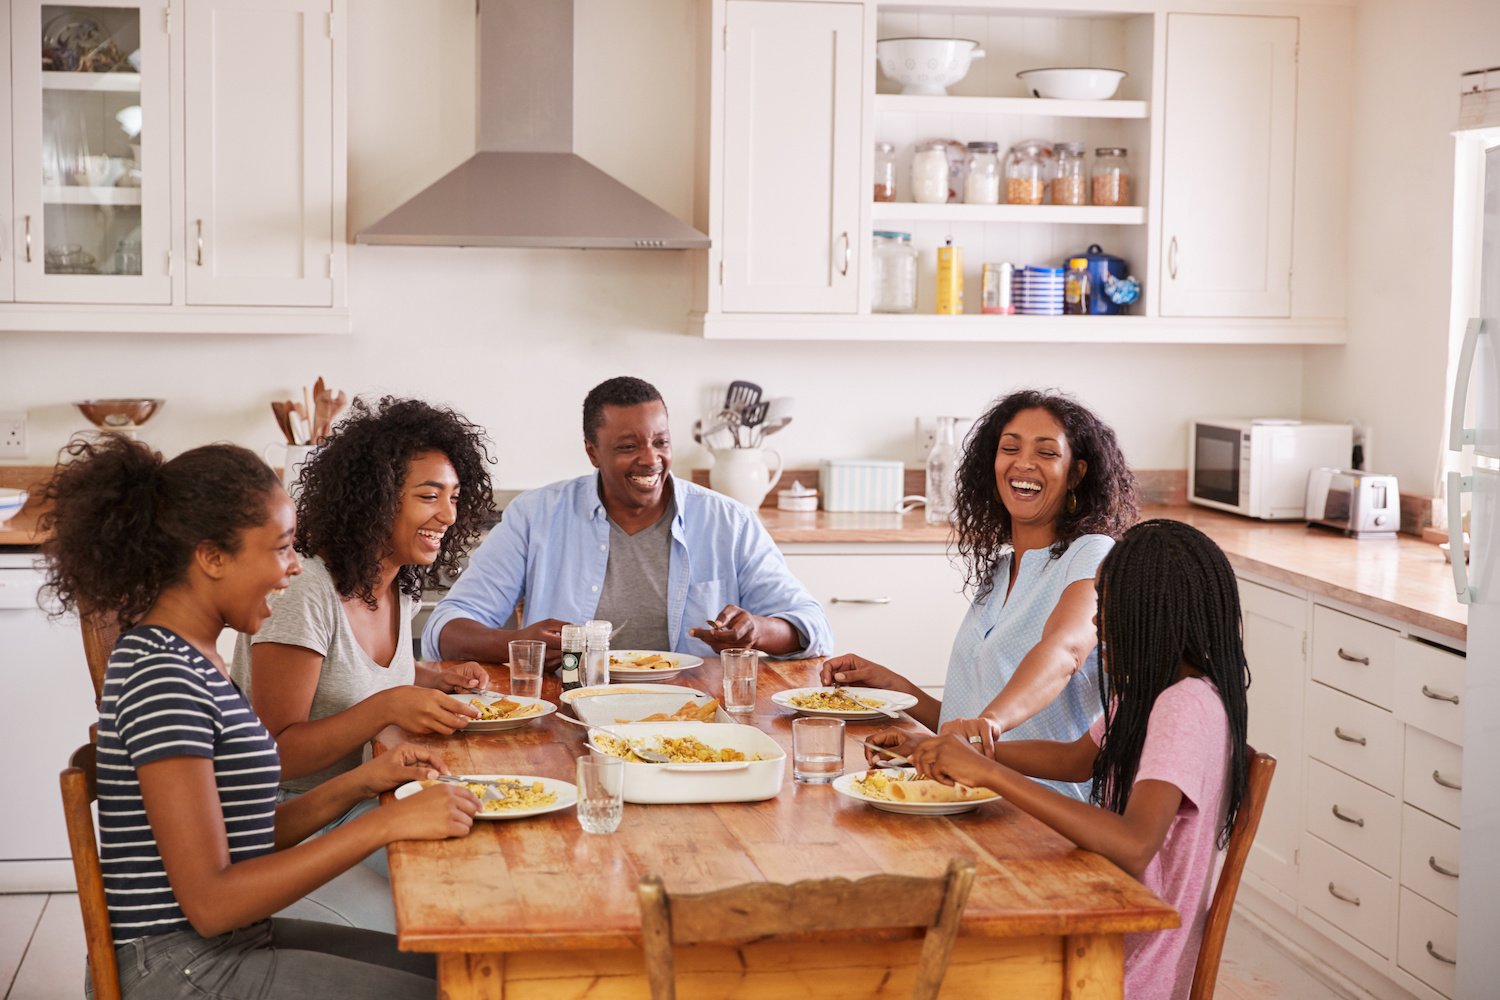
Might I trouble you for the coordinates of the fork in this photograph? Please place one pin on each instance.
(494, 788)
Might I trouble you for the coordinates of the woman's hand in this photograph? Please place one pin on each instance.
(426, 710)
(856, 671)
(432, 814)
(456, 676)
(402, 763)
(981, 733)
(898, 740)
(953, 760)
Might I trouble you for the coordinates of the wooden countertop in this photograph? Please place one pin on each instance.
(21, 529)
(821, 526)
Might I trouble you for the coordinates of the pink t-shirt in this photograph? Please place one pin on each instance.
(1187, 746)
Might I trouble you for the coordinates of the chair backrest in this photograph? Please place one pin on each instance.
(760, 909)
(1216, 925)
(80, 787)
(100, 633)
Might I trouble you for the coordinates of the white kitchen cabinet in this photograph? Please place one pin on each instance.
(791, 130)
(1228, 166)
(7, 260)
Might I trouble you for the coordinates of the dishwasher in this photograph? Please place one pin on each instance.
(46, 708)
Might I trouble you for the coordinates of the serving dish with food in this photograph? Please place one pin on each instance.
(902, 790)
(853, 703)
(649, 664)
(498, 712)
(678, 704)
(709, 761)
(509, 796)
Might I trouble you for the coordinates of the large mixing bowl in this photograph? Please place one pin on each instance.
(926, 65)
(1073, 83)
(118, 414)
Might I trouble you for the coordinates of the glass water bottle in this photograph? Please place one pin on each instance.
(942, 468)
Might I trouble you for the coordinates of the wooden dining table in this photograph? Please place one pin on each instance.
(537, 908)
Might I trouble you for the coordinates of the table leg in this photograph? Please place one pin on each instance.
(1094, 967)
(471, 977)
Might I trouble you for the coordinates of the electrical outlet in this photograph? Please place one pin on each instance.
(12, 435)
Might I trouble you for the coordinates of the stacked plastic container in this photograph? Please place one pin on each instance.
(1039, 291)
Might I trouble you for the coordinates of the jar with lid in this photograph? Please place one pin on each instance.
(1027, 171)
(1070, 185)
(885, 172)
(895, 268)
(982, 174)
(1076, 287)
(1111, 177)
(929, 173)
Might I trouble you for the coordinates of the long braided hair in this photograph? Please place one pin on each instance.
(1166, 595)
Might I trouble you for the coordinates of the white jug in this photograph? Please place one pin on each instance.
(292, 458)
(744, 473)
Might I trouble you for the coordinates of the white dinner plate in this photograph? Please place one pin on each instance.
(499, 725)
(566, 792)
(896, 701)
(619, 664)
(844, 785)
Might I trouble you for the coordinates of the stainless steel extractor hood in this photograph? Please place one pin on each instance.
(526, 187)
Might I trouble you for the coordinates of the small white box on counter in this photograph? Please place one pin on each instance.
(859, 485)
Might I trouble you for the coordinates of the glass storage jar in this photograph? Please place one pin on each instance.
(1111, 175)
(982, 174)
(1070, 185)
(929, 173)
(895, 273)
(1027, 170)
(885, 172)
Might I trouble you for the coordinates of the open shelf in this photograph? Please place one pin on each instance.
(112, 82)
(890, 103)
(80, 195)
(911, 211)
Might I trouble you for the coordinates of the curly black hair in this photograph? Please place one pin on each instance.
(622, 390)
(124, 523)
(350, 491)
(1106, 494)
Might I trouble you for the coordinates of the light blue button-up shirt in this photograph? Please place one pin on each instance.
(552, 547)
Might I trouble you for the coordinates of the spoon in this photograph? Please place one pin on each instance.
(654, 756)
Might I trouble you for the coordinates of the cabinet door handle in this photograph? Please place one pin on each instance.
(28, 239)
(1432, 863)
(848, 249)
(1456, 786)
(1172, 258)
(860, 600)
(1438, 695)
(1351, 658)
(1339, 895)
(1347, 819)
(200, 249)
(1352, 739)
(1441, 958)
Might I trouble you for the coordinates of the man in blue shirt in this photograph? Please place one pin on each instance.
(675, 566)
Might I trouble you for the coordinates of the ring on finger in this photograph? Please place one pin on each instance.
(976, 738)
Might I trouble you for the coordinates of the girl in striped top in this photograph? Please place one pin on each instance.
(196, 853)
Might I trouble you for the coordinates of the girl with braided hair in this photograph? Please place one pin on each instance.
(1168, 759)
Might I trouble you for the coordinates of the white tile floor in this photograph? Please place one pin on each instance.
(41, 956)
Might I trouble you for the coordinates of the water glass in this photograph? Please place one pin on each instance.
(601, 793)
(817, 749)
(740, 669)
(526, 658)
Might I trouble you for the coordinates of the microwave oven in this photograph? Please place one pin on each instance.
(1259, 467)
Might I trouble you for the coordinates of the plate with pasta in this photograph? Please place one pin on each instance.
(853, 703)
(649, 664)
(524, 794)
(499, 712)
(901, 790)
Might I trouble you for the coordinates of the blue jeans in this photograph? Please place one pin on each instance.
(277, 957)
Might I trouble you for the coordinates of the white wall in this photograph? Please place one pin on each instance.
(514, 338)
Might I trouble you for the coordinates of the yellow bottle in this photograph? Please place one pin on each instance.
(950, 280)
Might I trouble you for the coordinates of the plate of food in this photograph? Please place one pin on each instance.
(599, 690)
(499, 712)
(649, 664)
(901, 790)
(509, 796)
(844, 702)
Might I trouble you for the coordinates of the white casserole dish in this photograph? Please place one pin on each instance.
(732, 781)
(608, 709)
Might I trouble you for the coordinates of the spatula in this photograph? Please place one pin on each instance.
(741, 395)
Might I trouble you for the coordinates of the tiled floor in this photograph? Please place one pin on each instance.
(41, 956)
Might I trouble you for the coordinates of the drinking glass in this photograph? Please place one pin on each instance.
(817, 750)
(526, 656)
(740, 669)
(601, 793)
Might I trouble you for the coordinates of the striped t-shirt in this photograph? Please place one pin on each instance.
(163, 699)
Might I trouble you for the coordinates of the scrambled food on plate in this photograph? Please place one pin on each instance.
(835, 701)
(681, 749)
(906, 786)
(518, 795)
(648, 661)
(494, 711)
(690, 711)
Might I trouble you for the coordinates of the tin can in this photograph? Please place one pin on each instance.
(995, 296)
(950, 280)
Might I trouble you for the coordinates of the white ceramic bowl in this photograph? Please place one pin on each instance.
(926, 65)
(1072, 84)
(11, 502)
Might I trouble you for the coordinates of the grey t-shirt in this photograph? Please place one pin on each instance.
(634, 595)
(310, 614)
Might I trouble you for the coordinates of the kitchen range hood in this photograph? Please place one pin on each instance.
(526, 187)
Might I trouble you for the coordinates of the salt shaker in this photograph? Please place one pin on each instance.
(596, 652)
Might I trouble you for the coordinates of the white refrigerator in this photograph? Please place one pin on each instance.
(1475, 423)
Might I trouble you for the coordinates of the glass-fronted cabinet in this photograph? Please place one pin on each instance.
(89, 152)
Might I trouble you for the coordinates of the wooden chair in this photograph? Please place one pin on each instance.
(80, 787)
(756, 910)
(100, 633)
(1206, 972)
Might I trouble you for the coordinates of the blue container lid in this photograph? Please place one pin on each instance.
(891, 234)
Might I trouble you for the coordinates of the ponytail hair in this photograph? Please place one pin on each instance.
(124, 523)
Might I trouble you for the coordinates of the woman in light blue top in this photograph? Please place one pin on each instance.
(1041, 493)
